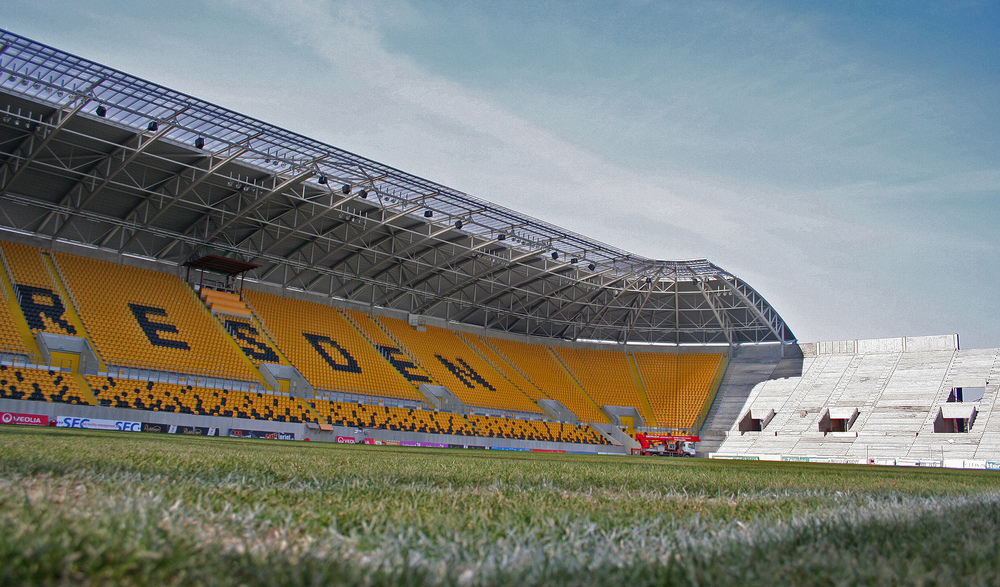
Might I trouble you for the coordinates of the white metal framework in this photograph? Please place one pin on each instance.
(93, 156)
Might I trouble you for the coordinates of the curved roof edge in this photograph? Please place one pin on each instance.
(320, 219)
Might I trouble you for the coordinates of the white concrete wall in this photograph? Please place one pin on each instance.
(897, 385)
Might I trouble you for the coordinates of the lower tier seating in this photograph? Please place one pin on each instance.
(390, 418)
(534, 430)
(39, 385)
(53, 386)
(202, 401)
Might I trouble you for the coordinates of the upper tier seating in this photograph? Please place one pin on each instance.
(536, 363)
(604, 374)
(458, 367)
(249, 338)
(10, 338)
(224, 302)
(39, 385)
(42, 306)
(329, 351)
(678, 386)
(150, 319)
(500, 364)
(388, 348)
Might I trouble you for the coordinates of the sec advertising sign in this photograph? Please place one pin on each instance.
(96, 424)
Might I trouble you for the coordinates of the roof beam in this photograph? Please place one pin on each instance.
(113, 172)
(29, 150)
(395, 258)
(473, 279)
(182, 193)
(281, 187)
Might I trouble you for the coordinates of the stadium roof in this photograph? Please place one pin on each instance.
(99, 158)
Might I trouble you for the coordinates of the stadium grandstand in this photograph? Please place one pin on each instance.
(171, 262)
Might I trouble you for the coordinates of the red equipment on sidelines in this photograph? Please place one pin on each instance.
(665, 445)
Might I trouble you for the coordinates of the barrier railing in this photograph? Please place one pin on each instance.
(35, 362)
(156, 374)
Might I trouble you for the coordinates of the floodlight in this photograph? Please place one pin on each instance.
(152, 126)
(346, 189)
(199, 143)
(322, 180)
(428, 214)
(458, 224)
(591, 266)
(555, 255)
(101, 111)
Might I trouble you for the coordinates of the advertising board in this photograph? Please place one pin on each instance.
(379, 442)
(23, 419)
(175, 429)
(260, 434)
(97, 424)
(346, 440)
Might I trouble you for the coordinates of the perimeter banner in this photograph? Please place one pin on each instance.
(379, 442)
(175, 429)
(23, 419)
(97, 424)
(260, 434)
(196, 430)
(424, 444)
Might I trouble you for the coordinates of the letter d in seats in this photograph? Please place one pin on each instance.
(322, 343)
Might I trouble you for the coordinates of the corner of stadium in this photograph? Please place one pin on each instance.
(172, 266)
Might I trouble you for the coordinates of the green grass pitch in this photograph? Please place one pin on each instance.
(81, 507)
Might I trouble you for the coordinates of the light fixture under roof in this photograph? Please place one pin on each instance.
(322, 180)
(101, 111)
(152, 126)
(199, 143)
(345, 189)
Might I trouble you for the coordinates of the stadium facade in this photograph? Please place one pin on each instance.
(328, 282)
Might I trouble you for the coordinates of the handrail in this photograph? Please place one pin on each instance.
(32, 361)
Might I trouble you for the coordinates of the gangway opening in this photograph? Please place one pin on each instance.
(838, 419)
(756, 420)
(955, 418)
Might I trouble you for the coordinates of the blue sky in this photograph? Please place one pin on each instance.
(844, 160)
